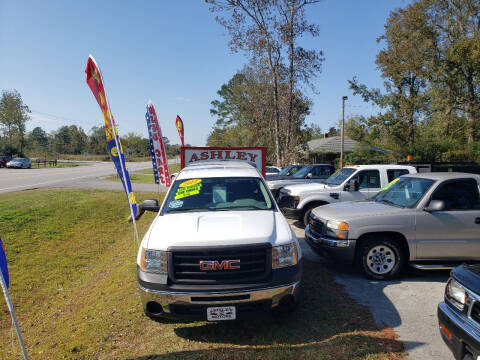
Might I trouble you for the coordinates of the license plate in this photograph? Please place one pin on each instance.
(221, 313)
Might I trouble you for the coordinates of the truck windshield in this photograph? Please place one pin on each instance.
(290, 170)
(404, 191)
(300, 174)
(217, 194)
(340, 176)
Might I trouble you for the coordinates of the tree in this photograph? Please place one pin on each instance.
(244, 113)
(402, 65)
(456, 66)
(13, 117)
(268, 30)
(303, 65)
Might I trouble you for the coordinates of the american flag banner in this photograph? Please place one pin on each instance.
(157, 148)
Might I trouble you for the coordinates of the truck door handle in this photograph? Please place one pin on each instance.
(477, 220)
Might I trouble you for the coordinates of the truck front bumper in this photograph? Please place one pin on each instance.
(193, 304)
(458, 332)
(343, 250)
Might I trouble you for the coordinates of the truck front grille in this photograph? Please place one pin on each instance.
(286, 201)
(316, 225)
(252, 263)
(475, 314)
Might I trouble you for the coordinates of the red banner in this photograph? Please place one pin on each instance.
(179, 126)
(159, 156)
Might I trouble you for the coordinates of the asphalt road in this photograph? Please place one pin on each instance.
(72, 177)
(408, 304)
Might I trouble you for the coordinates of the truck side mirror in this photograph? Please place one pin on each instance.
(352, 185)
(150, 205)
(309, 176)
(435, 205)
(147, 205)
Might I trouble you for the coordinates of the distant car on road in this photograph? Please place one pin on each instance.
(4, 160)
(459, 314)
(430, 220)
(19, 163)
(286, 172)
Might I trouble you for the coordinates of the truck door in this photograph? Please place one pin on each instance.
(369, 185)
(454, 233)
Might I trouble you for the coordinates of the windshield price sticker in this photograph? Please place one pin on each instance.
(388, 186)
(188, 188)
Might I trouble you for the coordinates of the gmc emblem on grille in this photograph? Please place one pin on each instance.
(215, 265)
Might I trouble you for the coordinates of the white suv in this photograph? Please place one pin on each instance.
(219, 248)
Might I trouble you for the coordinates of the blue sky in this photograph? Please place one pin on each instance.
(170, 51)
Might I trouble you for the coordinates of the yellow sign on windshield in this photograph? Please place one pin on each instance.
(188, 188)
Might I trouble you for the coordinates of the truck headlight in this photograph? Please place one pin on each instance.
(154, 261)
(456, 294)
(284, 255)
(272, 187)
(338, 229)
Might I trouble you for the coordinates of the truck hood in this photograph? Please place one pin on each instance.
(350, 210)
(218, 228)
(297, 189)
(468, 276)
(287, 182)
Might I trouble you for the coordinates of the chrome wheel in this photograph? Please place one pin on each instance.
(381, 259)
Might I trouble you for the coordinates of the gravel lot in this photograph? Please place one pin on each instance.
(408, 304)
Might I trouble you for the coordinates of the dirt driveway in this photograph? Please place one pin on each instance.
(408, 304)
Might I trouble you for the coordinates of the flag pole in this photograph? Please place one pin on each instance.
(12, 313)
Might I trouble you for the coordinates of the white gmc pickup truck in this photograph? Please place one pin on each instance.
(219, 248)
(351, 183)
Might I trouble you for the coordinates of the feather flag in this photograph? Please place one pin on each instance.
(3, 264)
(179, 126)
(157, 147)
(95, 82)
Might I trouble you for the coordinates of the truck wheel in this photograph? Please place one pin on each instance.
(381, 259)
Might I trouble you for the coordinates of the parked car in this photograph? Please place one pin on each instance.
(309, 173)
(219, 248)
(4, 160)
(459, 314)
(272, 170)
(358, 182)
(286, 172)
(19, 163)
(430, 220)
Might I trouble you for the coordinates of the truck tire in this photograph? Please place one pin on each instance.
(381, 258)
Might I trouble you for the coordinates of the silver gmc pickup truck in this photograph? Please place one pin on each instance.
(431, 220)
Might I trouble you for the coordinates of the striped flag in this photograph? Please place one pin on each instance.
(157, 148)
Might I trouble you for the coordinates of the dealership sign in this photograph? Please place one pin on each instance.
(255, 156)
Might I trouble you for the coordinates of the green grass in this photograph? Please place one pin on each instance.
(71, 257)
(59, 165)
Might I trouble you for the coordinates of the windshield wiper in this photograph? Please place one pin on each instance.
(246, 207)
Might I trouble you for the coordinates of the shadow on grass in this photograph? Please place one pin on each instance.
(328, 324)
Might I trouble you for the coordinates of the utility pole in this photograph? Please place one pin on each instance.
(343, 131)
